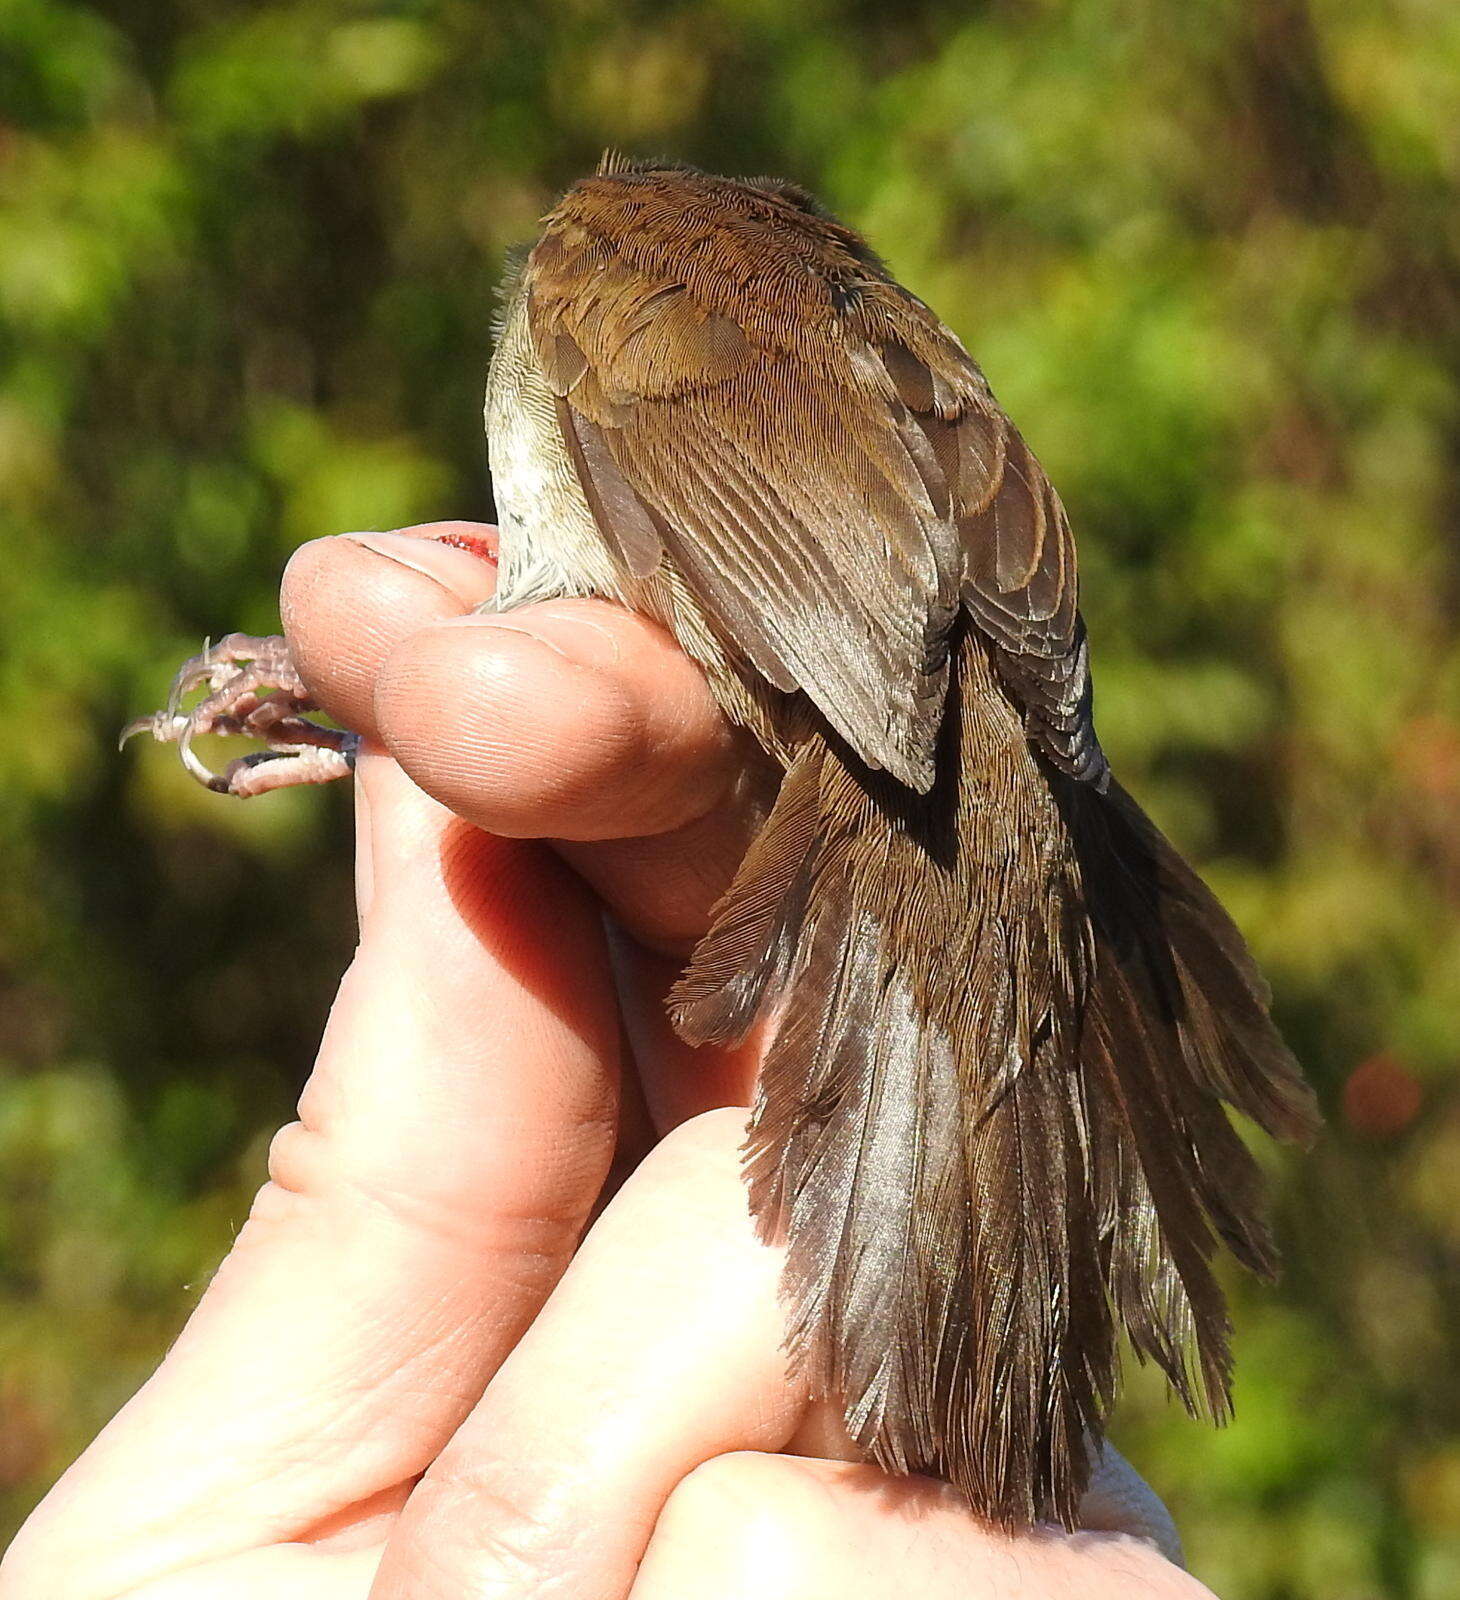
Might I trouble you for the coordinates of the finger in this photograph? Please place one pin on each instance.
(678, 1080)
(348, 600)
(455, 1132)
(578, 721)
(660, 1349)
(784, 1527)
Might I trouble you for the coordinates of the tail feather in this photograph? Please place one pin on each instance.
(990, 1121)
(750, 945)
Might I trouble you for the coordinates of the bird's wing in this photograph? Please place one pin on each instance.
(831, 494)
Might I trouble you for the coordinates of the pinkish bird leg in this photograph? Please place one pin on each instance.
(253, 691)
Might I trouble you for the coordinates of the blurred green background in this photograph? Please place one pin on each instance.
(1208, 252)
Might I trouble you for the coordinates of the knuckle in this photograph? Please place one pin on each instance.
(693, 1176)
(493, 1535)
(765, 1518)
(710, 1136)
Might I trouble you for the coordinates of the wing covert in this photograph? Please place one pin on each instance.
(828, 472)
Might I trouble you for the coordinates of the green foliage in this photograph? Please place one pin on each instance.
(1206, 251)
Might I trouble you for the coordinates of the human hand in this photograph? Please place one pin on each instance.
(408, 1378)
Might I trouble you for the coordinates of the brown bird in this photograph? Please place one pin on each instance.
(990, 1123)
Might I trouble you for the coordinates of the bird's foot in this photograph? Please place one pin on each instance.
(253, 690)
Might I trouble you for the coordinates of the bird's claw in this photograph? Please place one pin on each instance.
(253, 690)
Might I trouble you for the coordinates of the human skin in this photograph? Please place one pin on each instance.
(415, 1374)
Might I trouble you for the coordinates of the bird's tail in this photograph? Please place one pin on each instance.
(990, 1125)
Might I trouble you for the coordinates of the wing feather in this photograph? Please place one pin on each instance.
(832, 495)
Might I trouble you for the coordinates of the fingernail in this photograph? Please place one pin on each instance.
(464, 576)
(495, 624)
